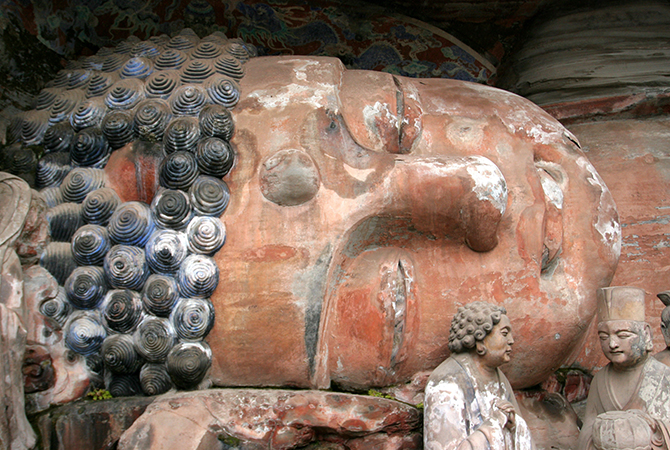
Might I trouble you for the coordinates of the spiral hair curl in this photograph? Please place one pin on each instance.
(472, 323)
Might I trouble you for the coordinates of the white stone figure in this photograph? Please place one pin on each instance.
(664, 355)
(632, 383)
(469, 402)
(15, 431)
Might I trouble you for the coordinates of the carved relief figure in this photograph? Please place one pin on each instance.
(664, 355)
(15, 203)
(632, 383)
(469, 402)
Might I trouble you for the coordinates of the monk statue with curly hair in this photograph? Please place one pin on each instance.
(469, 402)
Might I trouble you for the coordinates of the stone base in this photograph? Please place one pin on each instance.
(250, 419)
(88, 424)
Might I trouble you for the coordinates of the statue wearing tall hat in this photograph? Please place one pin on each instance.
(629, 402)
(664, 355)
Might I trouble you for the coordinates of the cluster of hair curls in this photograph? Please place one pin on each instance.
(472, 323)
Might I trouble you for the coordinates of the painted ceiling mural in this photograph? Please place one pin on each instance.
(363, 37)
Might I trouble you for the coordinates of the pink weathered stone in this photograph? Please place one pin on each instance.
(552, 421)
(15, 200)
(380, 441)
(15, 431)
(577, 386)
(275, 419)
(11, 283)
(552, 385)
(38, 373)
(574, 385)
(132, 171)
(39, 286)
(630, 155)
(415, 197)
(71, 377)
(411, 392)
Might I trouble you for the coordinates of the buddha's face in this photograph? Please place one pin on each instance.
(624, 342)
(365, 208)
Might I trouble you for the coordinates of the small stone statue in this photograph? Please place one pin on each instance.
(469, 402)
(632, 384)
(15, 201)
(664, 355)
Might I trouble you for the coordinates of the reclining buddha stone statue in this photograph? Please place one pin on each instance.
(284, 221)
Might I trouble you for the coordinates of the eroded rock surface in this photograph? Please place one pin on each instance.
(279, 419)
(552, 421)
(90, 425)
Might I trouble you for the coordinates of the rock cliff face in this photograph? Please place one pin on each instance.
(600, 69)
(613, 51)
(631, 155)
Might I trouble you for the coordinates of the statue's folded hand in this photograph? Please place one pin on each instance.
(506, 408)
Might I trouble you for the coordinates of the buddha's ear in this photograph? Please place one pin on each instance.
(480, 348)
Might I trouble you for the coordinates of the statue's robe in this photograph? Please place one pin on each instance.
(455, 407)
(15, 430)
(663, 356)
(651, 395)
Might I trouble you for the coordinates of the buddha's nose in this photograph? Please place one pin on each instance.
(457, 197)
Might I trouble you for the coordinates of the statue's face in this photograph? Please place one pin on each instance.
(498, 344)
(665, 329)
(366, 208)
(624, 342)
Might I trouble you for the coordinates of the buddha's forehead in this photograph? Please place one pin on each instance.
(286, 85)
(393, 114)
